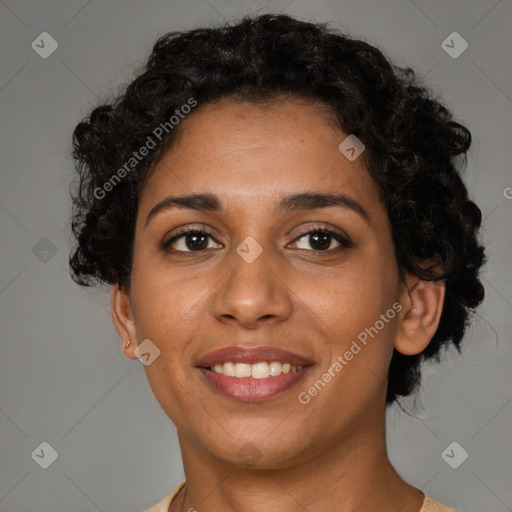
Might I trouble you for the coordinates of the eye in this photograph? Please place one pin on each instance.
(189, 240)
(196, 240)
(320, 240)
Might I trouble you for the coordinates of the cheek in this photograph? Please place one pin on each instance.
(164, 309)
(160, 293)
(166, 312)
(348, 308)
(352, 380)
(351, 298)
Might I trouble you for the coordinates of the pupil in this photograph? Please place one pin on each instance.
(326, 240)
(321, 241)
(195, 245)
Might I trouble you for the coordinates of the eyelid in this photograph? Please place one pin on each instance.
(188, 229)
(323, 227)
(338, 234)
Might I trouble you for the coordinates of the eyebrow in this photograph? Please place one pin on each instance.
(301, 201)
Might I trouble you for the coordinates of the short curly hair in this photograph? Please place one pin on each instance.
(414, 152)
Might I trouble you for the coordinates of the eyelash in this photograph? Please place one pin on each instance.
(344, 241)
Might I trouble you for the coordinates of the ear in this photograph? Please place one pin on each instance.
(122, 316)
(422, 303)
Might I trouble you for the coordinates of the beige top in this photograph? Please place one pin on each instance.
(429, 505)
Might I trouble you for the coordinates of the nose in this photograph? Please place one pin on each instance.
(252, 292)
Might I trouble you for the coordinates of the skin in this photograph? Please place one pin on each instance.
(313, 303)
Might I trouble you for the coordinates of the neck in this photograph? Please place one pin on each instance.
(351, 474)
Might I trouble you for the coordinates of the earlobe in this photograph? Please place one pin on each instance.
(123, 319)
(419, 319)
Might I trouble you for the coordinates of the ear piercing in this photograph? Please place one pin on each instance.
(127, 344)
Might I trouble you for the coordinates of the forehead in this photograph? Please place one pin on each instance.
(243, 150)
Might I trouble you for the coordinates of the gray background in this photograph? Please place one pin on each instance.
(64, 379)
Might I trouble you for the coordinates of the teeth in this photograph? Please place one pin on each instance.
(275, 368)
(227, 369)
(261, 370)
(242, 370)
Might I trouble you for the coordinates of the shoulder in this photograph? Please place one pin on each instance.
(430, 505)
(163, 505)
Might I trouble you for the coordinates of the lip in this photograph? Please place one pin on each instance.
(251, 355)
(253, 390)
(250, 389)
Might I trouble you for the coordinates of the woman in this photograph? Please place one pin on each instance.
(280, 214)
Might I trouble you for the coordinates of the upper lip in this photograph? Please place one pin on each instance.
(251, 355)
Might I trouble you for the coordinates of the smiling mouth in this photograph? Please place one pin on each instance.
(254, 382)
(254, 373)
(261, 370)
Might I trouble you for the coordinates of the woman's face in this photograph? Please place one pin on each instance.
(255, 280)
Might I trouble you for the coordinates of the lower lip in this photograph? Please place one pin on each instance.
(253, 390)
